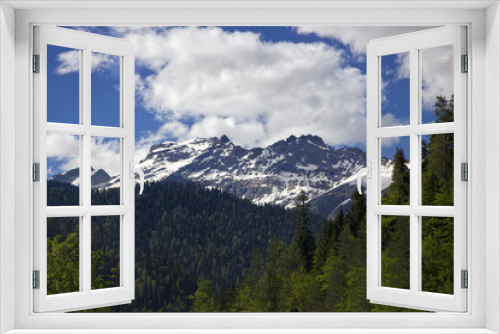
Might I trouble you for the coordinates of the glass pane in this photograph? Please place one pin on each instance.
(395, 170)
(105, 90)
(63, 85)
(395, 95)
(105, 252)
(437, 169)
(396, 252)
(437, 255)
(437, 84)
(63, 255)
(106, 171)
(63, 170)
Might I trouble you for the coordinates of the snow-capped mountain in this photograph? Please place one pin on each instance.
(275, 174)
(99, 178)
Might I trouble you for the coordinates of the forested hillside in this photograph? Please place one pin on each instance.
(184, 233)
(332, 276)
(204, 250)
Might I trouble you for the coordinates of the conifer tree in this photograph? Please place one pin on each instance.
(204, 298)
(327, 239)
(395, 229)
(399, 190)
(437, 189)
(304, 237)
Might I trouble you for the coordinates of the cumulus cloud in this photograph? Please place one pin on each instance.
(65, 150)
(356, 37)
(216, 82)
(209, 82)
(437, 70)
(390, 119)
(437, 74)
(69, 62)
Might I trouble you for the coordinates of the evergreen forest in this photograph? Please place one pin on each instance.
(204, 250)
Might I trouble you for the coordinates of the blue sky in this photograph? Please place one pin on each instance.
(257, 85)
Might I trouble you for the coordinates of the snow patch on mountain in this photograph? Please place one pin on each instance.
(275, 174)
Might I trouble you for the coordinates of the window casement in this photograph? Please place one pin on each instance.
(80, 214)
(412, 48)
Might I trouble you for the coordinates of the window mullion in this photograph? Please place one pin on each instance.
(414, 172)
(86, 171)
(86, 261)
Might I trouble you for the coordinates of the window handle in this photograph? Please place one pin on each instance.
(361, 172)
(136, 170)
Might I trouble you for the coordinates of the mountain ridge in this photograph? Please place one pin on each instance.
(274, 174)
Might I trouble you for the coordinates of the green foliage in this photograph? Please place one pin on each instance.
(304, 236)
(204, 298)
(183, 232)
(63, 268)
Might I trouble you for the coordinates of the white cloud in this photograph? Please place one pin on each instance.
(356, 37)
(389, 119)
(437, 73)
(105, 154)
(403, 63)
(437, 63)
(216, 82)
(69, 62)
(65, 149)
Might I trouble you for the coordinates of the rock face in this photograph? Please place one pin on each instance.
(275, 174)
(99, 178)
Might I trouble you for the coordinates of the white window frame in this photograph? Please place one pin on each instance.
(483, 21)
(86, 43)
(413, 43)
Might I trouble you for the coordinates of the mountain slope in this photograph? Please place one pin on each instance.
(275, 174)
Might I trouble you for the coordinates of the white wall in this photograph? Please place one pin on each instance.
(7, 158)
(492, 150)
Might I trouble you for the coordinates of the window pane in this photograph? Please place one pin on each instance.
(63, 255)
(437, 170)
(396, 252)
(437, 255)
(395, 94)
(395, 170)
(63, 170)
(437, 84)
(106, 171)
(105, 90)
(105, 252)
(63, 85)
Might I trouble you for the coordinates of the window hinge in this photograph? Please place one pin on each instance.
(36, 172)
(36, 279)
(464, 171)
(465, 64)
(36, 63)
(465, 279)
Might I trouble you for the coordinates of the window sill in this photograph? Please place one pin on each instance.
(250, 331)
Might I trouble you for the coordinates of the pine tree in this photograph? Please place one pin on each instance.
(438, 189)
(399, 190)
(327, 239)
(356, 217)
(395, 229)
(304, 237)
(204, 298)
